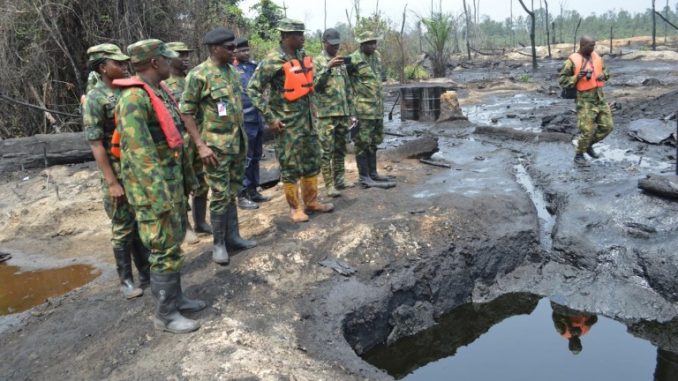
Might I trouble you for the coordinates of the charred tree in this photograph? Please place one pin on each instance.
(654, 27)
(468, 30)
(532, 26)
(548, 33)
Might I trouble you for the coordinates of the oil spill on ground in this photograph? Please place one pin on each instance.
(21, 290)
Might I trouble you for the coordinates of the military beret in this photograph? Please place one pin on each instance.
(144, 50)
(367, 36)
(178, 47)
(241, 42)
(290, 25)
(332, 36)
(218, 36)
(108, 51)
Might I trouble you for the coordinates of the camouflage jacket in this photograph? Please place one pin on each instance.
(98, 118)
(209, 90)
(177, 85)
(366, 74)
(332, 96)
(270, 73)
(566, 79)
(153, 173)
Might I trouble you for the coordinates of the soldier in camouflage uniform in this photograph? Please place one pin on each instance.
(153, 174)
(333, 109)
(213, 92)
(108, 62)
(367, 73)
(176, 83)
(594, 118)
(296, 141)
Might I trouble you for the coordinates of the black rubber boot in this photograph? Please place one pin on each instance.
(123, 264)
(233, 238)
(580, 160)
(219, 252)
(199, 213)
(140, 256)
(166, 290)
(185, 304)
(364, 175)
(372, 162)
(592, 153)
(255, 196)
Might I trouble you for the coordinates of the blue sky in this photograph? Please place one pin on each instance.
(311, 11)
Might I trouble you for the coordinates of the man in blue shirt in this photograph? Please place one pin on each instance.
(254, 125)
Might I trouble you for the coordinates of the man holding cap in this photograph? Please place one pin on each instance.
(254, 124)
(289, 73)
(212, 95)
(154, 176)
(333, 112)
(367, 74)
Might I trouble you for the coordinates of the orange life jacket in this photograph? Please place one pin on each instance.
(595, 64)
(298, 78)
(167, 125)
(578, 322)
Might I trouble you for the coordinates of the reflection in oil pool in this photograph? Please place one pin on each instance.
(21, 290)
(520, 337)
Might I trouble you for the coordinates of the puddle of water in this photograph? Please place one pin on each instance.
(520, 111)
(21, 290)
(520, 337)
(546, 220)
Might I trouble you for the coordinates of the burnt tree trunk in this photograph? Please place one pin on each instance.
(468, 30)
(532, 26)
(654, 27)
(548, 32)
(39, 151)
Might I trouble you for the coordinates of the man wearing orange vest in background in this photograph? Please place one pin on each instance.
(585, 71)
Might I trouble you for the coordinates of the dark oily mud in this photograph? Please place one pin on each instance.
(442, 238)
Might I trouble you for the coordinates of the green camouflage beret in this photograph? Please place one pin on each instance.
(367, 36)
(178, 47)
(290, 25)
(144, 50)
(108, 51)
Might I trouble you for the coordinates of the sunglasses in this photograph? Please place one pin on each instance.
(228, 46)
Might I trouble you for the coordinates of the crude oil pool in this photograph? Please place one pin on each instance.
(524, 337)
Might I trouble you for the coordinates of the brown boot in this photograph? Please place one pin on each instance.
(292, 194)
(309, 191)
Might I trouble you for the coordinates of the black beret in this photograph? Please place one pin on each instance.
(241, 42)
(218, 36)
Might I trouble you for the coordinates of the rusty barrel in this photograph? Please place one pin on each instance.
(409, 103)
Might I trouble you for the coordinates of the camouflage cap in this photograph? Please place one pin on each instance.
(144, 50)
(178, 47)
(367, 36)
(109, 51)
(290, 25)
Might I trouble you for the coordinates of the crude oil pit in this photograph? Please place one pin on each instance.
(522, 337)
(21, 290)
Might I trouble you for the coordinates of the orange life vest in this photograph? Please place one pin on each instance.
(578, 322)
(595, 64)
(167, 125)
(298, 78)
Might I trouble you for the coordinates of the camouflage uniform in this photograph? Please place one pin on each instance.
(366, 74)
(177, 85)
(154, 177)
(207, 85)
(97, 116)
(296, 145)
(333, 109)
(594, 118)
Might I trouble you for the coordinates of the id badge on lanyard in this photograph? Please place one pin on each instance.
(221, 109)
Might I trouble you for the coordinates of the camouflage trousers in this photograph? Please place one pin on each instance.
(123, 223)
(163, 235)
(298, 155)
(594, 120)
(225, 179)
(370, 135)
(332, 136)
(198, 169)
